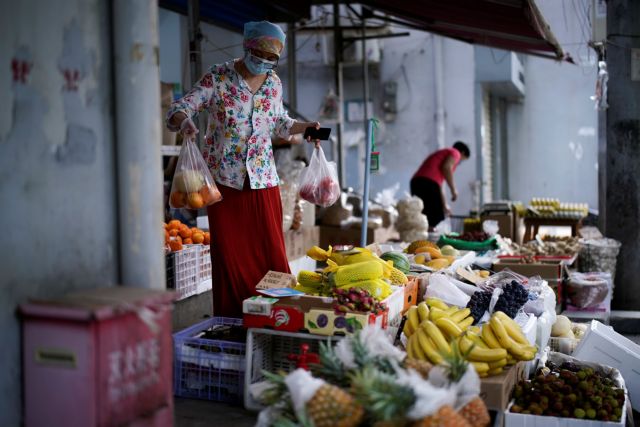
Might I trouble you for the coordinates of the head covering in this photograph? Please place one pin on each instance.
(264, 36)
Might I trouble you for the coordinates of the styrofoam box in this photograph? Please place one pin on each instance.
(601, 344)
(524, 420)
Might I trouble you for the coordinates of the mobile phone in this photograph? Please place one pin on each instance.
(321, 134)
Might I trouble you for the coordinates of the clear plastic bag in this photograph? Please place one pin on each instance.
(588, 289)
(193, 186)
(319, 182)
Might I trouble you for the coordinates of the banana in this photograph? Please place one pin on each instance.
(495, 371)
(437, 303)
(465, 323)
(450, 328)
(489, 337)
(481, 367)
(479, 354)
(498, 364)
(451, 310)
(428, 348)
(511, 360)
(414, 319)
(417, 349)
(438, 339)
(459, 315)
(513, 329)
(423, 311)
(436, 313)
(410, 343)
(518, 351)
(475, 329)
(408, 331)
(501, 333)
(477, 340)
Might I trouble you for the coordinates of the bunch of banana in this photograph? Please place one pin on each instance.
(431, 326)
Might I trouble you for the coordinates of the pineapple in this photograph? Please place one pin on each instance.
(445, 417)
(421, 366)
(476, 413)
(385, 401)
(331, 406)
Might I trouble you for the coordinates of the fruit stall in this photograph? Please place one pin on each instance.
(462, 329)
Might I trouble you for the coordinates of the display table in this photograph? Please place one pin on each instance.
(533, 224)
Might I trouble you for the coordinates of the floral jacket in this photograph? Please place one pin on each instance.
(240, 125)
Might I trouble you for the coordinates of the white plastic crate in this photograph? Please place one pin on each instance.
(182, 271)
(268, 350)
(204, 262)
(601, 344)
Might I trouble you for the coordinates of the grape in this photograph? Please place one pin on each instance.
(513, 297)
(478, 304)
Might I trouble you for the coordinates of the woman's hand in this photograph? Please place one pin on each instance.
(301, 127)
(188, 128)
(317, 126)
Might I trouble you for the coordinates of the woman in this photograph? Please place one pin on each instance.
(243, 98)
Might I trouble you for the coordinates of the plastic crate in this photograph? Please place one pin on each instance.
(268, 350)
(182, 271)
(208, 369)
(204, 262)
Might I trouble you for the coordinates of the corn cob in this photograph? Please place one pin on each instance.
(309, 278)
(347, 274)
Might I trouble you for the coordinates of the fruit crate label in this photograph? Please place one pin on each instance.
(276, 280)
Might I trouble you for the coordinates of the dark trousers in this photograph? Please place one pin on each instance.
(430, 193)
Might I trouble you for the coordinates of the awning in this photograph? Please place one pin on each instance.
(515, 25)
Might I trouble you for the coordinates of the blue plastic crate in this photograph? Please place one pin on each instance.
(206, 368)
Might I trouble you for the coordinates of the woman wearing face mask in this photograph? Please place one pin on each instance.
(243, 98)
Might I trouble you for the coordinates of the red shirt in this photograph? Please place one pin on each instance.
(431, 168)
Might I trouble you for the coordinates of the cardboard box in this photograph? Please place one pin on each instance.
(496, 390)
(330, 235)
(298, 242)
(504, 220)
(411, 293)
(601, 344)
(311, 314)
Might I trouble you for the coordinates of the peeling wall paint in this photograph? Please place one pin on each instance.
(56, 164)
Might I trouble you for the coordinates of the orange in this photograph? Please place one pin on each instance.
(210, 195)
(195, 230)
(197, 238)
(173, 224)
(175, 245)
(177, 200)
(187, 242)
(173, 232)
(185, 233)
(177, 239)
(207, 238)
(195, 200)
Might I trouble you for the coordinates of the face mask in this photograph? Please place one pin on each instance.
(257, 65)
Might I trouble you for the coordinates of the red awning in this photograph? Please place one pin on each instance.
(515, 25)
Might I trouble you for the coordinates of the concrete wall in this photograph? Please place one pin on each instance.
(552, 135)
(57, 174)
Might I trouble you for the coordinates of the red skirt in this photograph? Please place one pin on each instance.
(246, 242)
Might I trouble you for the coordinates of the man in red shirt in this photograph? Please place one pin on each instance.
(427, 181)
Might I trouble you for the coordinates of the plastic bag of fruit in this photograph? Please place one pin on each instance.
(193, 186)
(319, 181)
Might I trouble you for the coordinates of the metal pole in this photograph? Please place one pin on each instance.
(138, 136)
(367, 179)
(367, 129)
(195, 56)
(337, 67)
(291, 67)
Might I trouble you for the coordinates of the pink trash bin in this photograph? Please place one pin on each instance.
(101, 357)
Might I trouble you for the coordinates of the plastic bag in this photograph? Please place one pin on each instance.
(192, 187)
(444, 226)
(319, 182)
(490, 227)
(441, 287)
(588, 289)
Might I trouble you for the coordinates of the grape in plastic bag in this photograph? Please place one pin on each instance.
(319, 183)
(193, 186)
